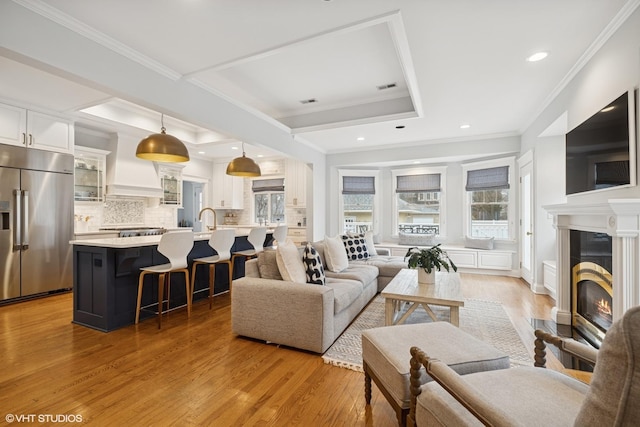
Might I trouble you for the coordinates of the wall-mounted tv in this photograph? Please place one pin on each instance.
(601, 151)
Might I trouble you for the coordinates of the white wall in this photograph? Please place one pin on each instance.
(612, 70)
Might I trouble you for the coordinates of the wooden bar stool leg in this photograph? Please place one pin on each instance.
(187, 290)
(230, 274)
(193, 280)
(139, 303)
(212, 277)
(160, 298)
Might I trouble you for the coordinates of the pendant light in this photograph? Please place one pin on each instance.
(160, 147)
(243, 166)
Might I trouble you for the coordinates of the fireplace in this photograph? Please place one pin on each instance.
(597, 252)
(591, 284)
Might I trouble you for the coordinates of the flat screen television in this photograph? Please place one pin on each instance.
(600, 152)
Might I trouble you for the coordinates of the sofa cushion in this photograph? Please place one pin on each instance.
(355, 246)
(268, 265)
(313, 265)
(290, 263)
(335, 254)
(388, 266)
(345, 292)
(363, 273)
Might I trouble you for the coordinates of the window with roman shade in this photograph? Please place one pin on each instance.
(489, 197)
(263, 185)
(358, 200)
(418, 203)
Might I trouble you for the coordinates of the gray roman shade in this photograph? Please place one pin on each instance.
(358, 185)
(262, 185)
(488, 179)
(418, 183)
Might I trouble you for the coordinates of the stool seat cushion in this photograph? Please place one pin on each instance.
(162, 268)
(386, 351)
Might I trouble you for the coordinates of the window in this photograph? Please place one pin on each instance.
(268, 201)
(357, 201)
(418, 203)
(489, 207)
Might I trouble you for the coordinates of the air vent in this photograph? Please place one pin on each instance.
(309, 101)
(387, 86)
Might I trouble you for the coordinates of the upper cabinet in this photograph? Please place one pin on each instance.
(171, 182)
(89, 174)
(33, 129)
(228, 191)
(295, 184)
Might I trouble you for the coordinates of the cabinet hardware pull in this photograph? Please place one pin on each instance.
(30, 139)
(24, 138)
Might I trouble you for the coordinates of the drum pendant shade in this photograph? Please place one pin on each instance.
(243, 166)
(160, 147)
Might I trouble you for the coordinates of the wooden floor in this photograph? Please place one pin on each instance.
(195, 371)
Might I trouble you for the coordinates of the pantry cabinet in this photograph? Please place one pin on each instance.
(228, 191)
(33, 129)
(295, 184)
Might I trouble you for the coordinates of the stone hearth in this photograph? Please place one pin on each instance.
(619, 218)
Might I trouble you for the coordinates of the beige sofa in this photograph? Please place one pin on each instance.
(304, 316)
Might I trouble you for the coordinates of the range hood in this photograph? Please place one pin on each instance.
(128, 175)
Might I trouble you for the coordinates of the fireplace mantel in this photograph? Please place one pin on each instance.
(619, 218)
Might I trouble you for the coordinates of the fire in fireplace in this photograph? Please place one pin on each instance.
(591, 285)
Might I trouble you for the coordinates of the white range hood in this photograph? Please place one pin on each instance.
(128, 175)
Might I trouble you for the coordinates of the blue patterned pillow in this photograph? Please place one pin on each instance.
(313, 265)
(356, 246)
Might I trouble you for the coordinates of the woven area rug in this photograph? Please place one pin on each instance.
(486, 320)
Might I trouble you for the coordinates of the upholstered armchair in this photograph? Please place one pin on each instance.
(534, 396)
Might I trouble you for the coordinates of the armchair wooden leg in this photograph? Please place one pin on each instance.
(367, 386)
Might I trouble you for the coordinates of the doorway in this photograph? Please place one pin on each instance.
(526, 217)
(192, 203)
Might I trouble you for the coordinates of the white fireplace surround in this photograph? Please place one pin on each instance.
(619, 218)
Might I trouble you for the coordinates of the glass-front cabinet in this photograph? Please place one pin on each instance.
(171, 181)
(89, 174)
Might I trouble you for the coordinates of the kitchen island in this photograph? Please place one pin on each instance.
(106, 271)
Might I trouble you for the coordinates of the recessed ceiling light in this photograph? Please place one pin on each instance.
(234, 148)
(465, 126)
(200, 152)
(260, 155)
(416, 162)
(360, 138)
(400, 127)
(538, 56)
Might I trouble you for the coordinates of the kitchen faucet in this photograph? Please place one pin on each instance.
(210, 228)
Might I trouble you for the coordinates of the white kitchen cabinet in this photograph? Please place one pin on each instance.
(33, 129)
(295, 183)
(228, 191)
(89, 174)
(171, 183)
(297, 235)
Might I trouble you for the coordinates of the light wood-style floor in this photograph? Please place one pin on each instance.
(195, 371)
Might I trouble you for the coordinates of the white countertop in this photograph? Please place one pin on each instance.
(137, 241)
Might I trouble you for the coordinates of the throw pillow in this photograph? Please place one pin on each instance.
(355, 246)
(290, 264)
(416, 239)
(478, 242)
(368, 238)
(268, 265)
(313, 265)
(335, 254)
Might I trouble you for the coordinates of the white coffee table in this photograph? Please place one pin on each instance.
(404, 288)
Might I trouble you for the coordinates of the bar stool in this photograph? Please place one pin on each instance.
(175, 246)
(279, 235)
(256, 238)
(221, 241)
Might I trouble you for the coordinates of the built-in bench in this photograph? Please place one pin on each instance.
(485, 261)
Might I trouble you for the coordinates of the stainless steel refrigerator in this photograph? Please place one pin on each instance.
(36, 221)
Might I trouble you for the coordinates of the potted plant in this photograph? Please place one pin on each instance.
(427, 261)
